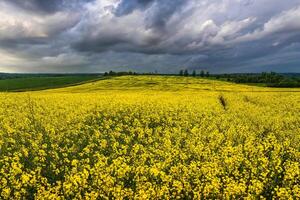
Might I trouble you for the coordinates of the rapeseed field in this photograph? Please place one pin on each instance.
(151, 137)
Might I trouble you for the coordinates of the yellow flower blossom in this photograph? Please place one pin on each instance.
(141, 137)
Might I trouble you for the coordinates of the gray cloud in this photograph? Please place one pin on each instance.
(126, 7)
(148, 35)
(44, 6)
(37, 5)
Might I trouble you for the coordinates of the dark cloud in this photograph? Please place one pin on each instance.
(38, 5)
(157, 16)
(162, 11)
(148, 35)
(126, 7)
(46, 6)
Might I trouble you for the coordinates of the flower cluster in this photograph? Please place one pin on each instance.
(146, 144)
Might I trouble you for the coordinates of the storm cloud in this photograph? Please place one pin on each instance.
(149, 35)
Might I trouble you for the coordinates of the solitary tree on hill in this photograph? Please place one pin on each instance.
(181, 73)
(194, 73)
(202, 73)
(186, 72)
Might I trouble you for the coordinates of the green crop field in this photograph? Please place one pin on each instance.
(40, 83)
(150, 137)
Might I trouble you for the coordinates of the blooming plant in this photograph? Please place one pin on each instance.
(126, 139)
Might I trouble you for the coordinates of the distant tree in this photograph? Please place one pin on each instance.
(202, 73)
(194, 73)
(207, 74)
(105, 74)
(111, 73)
(181, 73)
(186, 73)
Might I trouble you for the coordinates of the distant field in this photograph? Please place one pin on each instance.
(40, 83)
(167, 83)
(150, 137)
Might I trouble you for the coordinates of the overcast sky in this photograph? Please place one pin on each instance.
(149, 35)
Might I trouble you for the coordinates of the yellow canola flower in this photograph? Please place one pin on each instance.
(151, 137)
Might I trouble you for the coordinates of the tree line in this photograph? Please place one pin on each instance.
(270, 79)
(194, 73)
(113, 73)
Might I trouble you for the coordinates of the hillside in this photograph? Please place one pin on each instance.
(166, 83)
(150, 137)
